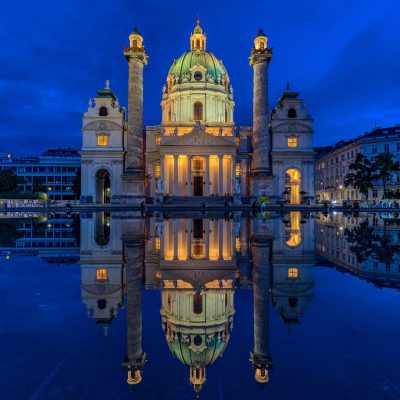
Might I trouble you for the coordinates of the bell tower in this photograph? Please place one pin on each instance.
(133, 176)
(261, 167)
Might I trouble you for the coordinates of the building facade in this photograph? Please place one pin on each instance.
(332, 164)
(197, 152)
(55, 172)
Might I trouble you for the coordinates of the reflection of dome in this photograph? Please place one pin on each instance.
(183, 65)
(197, 323)
(185, 349)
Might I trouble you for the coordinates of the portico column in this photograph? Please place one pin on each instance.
(162, 169)
(189, 177)
(233, 173)
(207, 188)
(175, 175)
(220, 177)
(207, 223)
(220, 237)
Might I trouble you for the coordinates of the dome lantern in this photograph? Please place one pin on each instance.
(198, 38)
(261, 40)
(136, 39)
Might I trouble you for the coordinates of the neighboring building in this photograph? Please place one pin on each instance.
(332, 246)
(55, 169)
(55, 238)
(197, 151)
(332, 164)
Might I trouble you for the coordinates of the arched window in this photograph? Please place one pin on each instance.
(262, 46)
(198, 43)
(292, 113)
(103, 112)
(169, 115)
(134, 43)
(226, 115)
(198, 111)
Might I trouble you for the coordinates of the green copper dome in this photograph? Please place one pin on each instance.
(186, 61)
(180, 349)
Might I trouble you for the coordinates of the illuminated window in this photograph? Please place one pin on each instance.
(103, 112)
(293, 273)
(292, 141)
(101, 274)
(102, 140)
(158, 140)
(198, 111)
(157, 171)
(237, 245)
(157, 244)
(198, 164)
(238, 171)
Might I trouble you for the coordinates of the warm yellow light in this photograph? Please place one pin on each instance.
(135, 378)
(293, 273)
(292, 141)
(157, 171)
(158, 140)
(101, 274)
(238, 171)
(157, 244)
(102, 140)
(238, 245)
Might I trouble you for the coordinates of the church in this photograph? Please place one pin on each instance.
(197, 154)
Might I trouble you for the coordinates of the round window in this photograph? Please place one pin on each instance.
(197, 340)
(198, 76)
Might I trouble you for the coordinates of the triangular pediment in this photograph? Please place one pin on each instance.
(198, 137)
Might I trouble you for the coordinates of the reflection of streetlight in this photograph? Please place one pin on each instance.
(340, 186)
(8, 257)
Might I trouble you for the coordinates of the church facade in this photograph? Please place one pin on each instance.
(197, 153)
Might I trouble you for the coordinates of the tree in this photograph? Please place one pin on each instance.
(385, 167)
(9, 181)
(362, 175)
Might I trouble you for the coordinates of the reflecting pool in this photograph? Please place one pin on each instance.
(185, 306)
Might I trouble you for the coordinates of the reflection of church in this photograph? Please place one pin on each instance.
(197, 265)
(197, 151)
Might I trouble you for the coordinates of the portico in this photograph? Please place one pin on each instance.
(198, 164)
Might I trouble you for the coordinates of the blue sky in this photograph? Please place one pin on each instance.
(343, 56)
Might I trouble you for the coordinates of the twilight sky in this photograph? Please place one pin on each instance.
(343, 56)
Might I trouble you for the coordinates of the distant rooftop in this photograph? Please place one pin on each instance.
(376, 133)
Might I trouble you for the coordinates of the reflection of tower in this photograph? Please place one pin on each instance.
(260, 358)
(293, 267)
(261, 169)
(134, 163)
(134, 255)
(101, 262)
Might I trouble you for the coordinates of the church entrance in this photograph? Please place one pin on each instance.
(103, 187)
(292, 186)
(197, 186)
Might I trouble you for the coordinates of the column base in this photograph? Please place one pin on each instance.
(133, 189)
(262, 185)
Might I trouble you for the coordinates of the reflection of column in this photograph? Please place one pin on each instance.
(220, 237)
(189, 238)
(175, 233)
(189, 177)
(207, 188)
(162, 171)
(207, 228)
(175, 175)
(220, 177)
(135, 358)
(260, 357)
